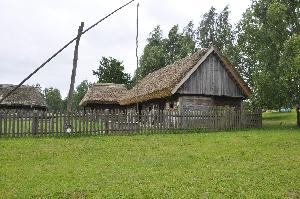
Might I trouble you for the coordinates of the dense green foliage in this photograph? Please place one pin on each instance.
(216, 30)
(111, 70)
(243, 164)
(79, 93)
(53, 98)
(267, 35)
(160, 51)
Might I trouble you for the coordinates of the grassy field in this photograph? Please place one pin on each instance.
(261, 163)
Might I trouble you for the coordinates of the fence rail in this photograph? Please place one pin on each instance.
(27, 123)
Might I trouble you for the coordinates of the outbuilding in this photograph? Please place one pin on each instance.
(198, 82)
(104, 96)
(24, 98)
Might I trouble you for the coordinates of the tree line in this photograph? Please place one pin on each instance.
(55, 101)
(264, 46)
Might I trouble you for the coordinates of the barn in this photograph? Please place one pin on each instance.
(103, 96)
(24, 98)
(200, 81)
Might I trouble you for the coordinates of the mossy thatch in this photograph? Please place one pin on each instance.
(103, 93)
(27, 97)
(161, 83)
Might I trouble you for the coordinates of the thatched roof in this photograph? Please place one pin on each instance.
(165, 81)
(24, 96)
(103, 93)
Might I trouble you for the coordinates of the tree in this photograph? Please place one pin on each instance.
(178, 45)
(206, 32)
(111, 70)
(80, 92)
(160, 51)
(290, 62)
(216, 30)
(53, 98)
(153, 56)
(263, 32)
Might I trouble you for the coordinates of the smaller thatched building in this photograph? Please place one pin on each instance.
(25, 97)
(104, 96)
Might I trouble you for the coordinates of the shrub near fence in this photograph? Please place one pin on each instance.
(25, 123)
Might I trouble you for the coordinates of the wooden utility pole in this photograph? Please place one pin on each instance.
(71, 90)
(136, 55)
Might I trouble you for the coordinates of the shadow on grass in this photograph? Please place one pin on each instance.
(280, 121)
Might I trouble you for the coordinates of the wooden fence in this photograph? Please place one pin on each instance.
(27, 123)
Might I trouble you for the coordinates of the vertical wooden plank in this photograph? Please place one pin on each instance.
(47, 119)
(160, 121)
(130, 121)
(217, 112)
(56, 123)
(29, 122)
(1, 121)
(40, 123)
(91, 122)
(60, 115)
(75, 118)
(85, 123)
(24, 125)
(9, 124)
(95, 124)
(100, 121)
(13, 123)
(79, 122)
(20, 122)
(35, 122)
(51, 123)
(17, 116)
(4, 123)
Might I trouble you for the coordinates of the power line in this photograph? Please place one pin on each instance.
(60, 50)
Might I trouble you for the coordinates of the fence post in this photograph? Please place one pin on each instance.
(35, 122)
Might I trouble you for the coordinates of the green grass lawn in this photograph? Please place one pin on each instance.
(261, 163)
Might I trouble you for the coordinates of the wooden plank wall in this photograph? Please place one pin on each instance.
(54, 123)
(211, 78)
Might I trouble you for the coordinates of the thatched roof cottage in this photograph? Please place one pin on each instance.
(25, 97)
(104, 96)
(204, 79)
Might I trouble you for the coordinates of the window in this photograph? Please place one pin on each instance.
(171, 105)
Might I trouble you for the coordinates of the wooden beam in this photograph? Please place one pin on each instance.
(75, 59)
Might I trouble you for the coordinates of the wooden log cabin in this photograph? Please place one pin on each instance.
(198, 82)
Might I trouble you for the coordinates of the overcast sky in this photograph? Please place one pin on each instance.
(33, 30)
